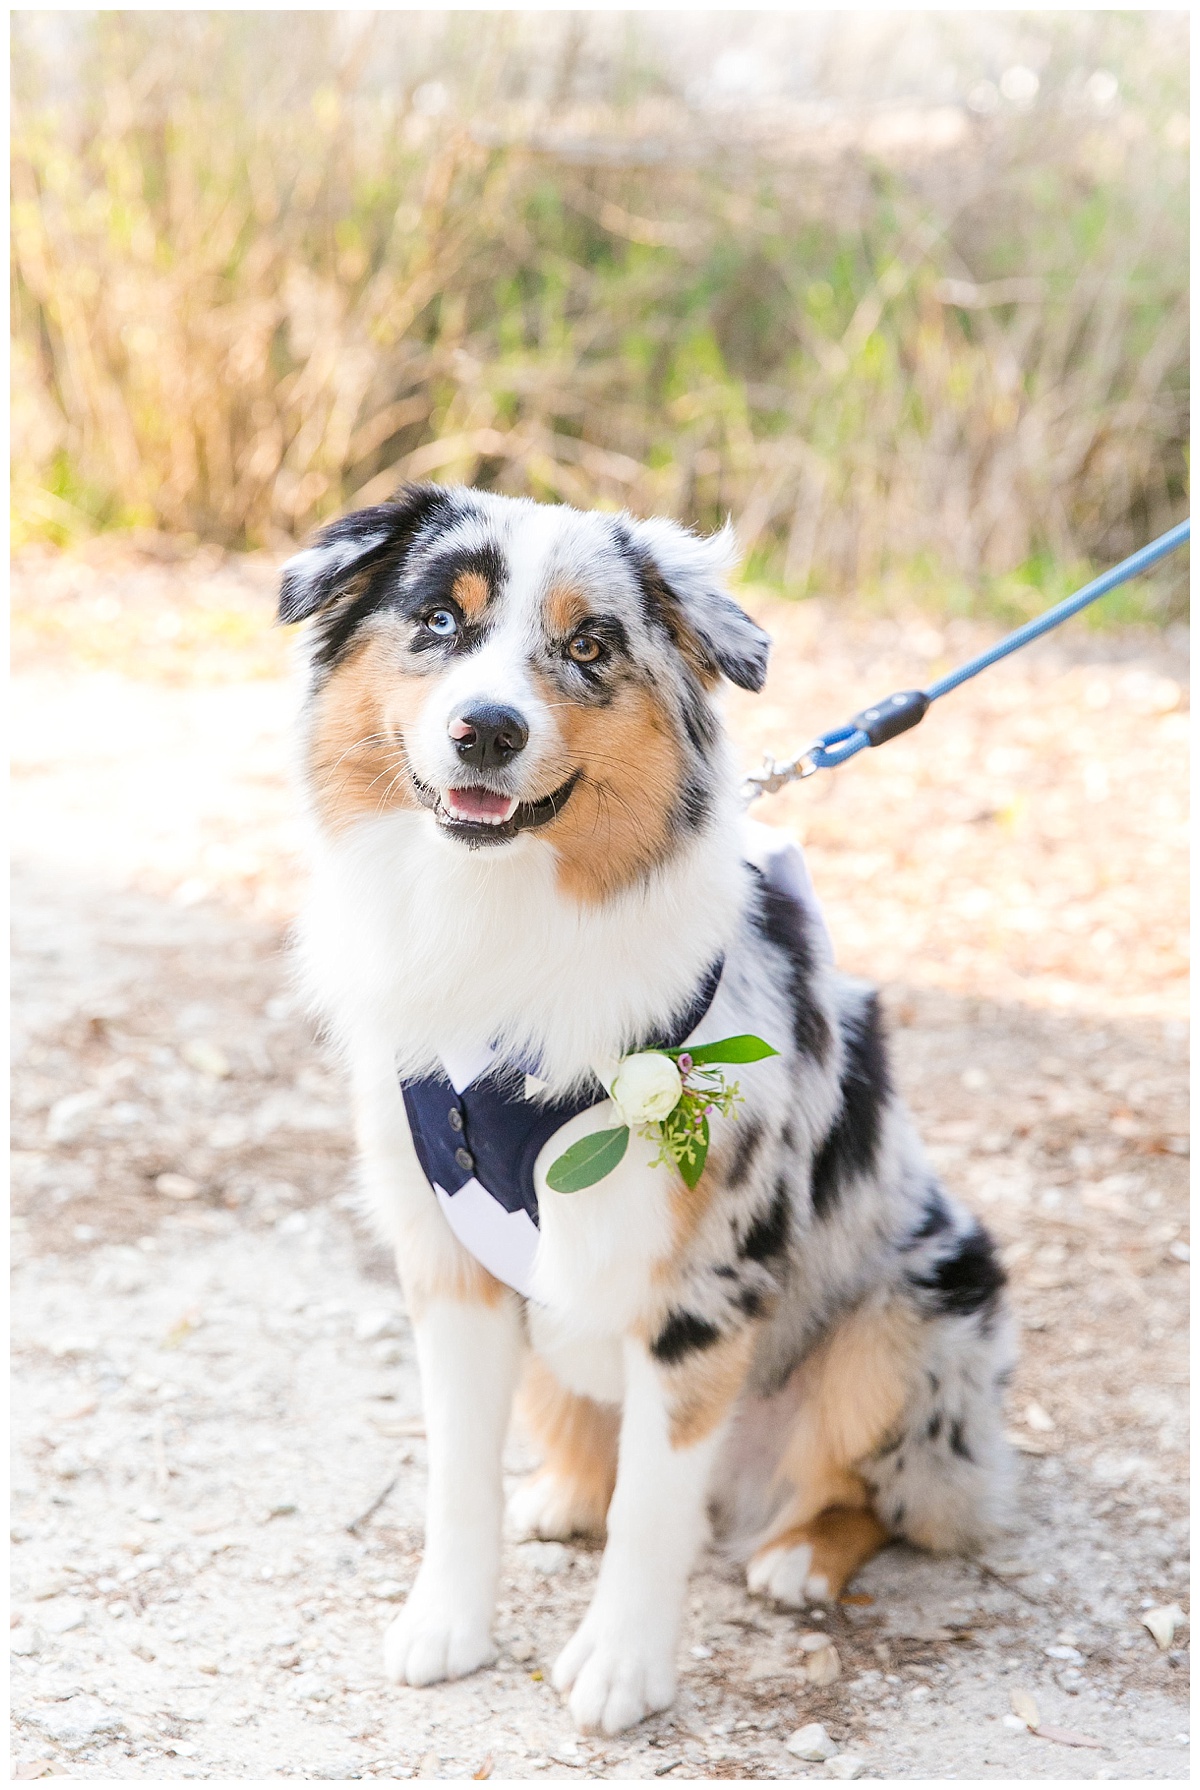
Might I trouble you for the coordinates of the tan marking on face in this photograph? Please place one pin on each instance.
(356, 763)
(614, 827)
(578, 1438)
(472, 592)
(842, 1539)
(852, 1391)
(702, 1389)
(565, 608)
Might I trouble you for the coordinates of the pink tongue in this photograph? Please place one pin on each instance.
(480, 804)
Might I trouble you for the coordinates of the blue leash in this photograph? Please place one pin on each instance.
(897, 713)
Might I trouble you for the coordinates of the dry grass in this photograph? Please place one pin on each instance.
(852, 280)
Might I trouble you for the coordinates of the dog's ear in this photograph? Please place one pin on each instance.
(316, 576)
(683, 576)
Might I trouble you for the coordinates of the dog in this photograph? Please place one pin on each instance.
(528, 861)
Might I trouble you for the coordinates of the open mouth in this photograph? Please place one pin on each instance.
(480, 816)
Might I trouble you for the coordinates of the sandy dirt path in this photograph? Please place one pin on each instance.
(214, 1377)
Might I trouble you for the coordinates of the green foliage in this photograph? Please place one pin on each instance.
(588, 1161)
(268, 265)
(744, 1048)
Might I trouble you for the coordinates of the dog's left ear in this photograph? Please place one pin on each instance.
(684, 576)
(316, 576)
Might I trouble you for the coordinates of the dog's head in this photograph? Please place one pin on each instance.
(517, 668)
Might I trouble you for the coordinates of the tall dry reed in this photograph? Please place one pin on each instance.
(908, 299)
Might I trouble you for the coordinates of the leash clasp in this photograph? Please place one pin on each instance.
(775, 776)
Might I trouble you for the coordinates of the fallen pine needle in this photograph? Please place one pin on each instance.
(354, 1527)
(1066, 1737)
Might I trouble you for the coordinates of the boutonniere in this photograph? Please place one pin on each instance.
(666, 1094)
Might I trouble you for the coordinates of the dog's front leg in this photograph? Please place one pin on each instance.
(468, 1335)
(468, 1353)
(620, 1664)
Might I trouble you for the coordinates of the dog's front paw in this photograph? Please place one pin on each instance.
(552, 1509)
(616, 1678)
(787, 1574)
(430, 1640)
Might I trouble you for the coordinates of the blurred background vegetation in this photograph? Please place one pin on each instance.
(905, 294)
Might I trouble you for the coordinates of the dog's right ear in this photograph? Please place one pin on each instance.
(314, 578)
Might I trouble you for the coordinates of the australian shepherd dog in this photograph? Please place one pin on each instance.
(529, 861)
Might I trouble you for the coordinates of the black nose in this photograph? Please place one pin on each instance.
(489, 735)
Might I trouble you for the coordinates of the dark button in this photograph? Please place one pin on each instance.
(456, 1119)
(464, 1159)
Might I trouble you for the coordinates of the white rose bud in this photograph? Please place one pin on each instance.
(647, 1087)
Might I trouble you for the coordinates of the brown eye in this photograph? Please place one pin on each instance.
(584, 649)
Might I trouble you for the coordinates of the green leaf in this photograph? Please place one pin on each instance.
(691, 1168)
(745, 1048)
(588, 1161)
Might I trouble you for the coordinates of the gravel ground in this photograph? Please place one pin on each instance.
(214, 1380)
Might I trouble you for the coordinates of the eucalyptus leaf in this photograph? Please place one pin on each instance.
(692, 1168)
(588, 1161)
(745, 1048)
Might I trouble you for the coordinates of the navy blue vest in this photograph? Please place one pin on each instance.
(492, 1133)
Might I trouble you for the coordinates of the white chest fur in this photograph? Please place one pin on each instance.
(419, 954)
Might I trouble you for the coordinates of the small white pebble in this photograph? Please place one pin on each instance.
(847, 1765)
(545, 1557)
(388, 1591)
(824, 1666)
(1162, 1623)
(811, 1742)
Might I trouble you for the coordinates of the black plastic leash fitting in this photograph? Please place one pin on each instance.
(895, 714)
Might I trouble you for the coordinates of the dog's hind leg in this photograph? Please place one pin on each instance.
(815, 1561)
(845, 1400)
(570, 1492)
(897, 1420)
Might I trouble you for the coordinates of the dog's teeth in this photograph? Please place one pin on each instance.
(458, 810)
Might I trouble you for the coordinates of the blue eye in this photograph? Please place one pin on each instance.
(441, 622)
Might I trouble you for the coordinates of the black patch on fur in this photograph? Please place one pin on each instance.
(434, 589)
(881, 1454)
(368, 538)
(683, 1334)
(431, 591)
(723, 639)
(750, 1301)
(692, 805)
(768, 1235)
(937, 1218)
(958, 1441)
(782, 923)
(698, 720)
(934, 1429)
(849, 1149)
(747, 1138)
(967, 1280)
(660, 606)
